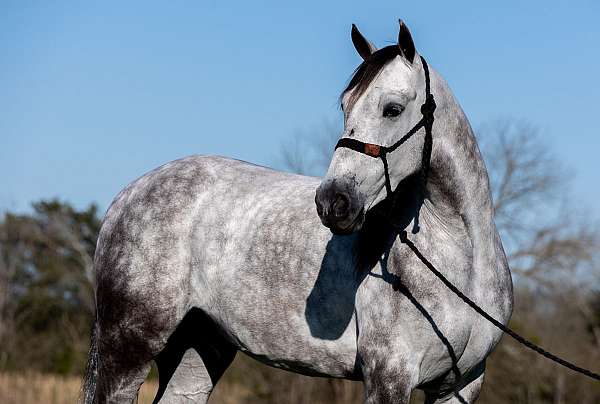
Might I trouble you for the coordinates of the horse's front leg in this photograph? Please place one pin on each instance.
(389, 377)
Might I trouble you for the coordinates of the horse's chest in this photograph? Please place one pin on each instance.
(404, 308)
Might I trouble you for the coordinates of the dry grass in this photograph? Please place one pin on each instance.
(37, 388)
(245, 382)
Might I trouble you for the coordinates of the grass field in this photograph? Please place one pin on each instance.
(38, 388)
(50, 389)
(245, 382)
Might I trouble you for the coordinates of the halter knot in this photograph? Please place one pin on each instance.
(428, 108)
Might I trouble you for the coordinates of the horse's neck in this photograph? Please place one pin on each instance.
(459, 182)
(459, 191)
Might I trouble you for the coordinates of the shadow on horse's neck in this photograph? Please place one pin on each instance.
(424, 210)
(384, 222)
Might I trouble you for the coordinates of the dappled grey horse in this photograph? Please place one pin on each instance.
(207, 256)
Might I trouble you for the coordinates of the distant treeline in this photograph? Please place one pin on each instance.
(46, 298)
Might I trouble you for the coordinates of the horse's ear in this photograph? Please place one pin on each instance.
(405, 42)
(362, 44)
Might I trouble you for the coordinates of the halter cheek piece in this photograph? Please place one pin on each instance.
(377, 151)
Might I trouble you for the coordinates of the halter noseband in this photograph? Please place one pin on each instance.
(375, 150)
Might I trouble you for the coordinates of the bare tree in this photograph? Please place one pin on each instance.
(534, 213)
(64, 232)
(46, 298)
(552, 250)
(309, 153)
(7, 270)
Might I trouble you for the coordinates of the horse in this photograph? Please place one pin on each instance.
(207, 256)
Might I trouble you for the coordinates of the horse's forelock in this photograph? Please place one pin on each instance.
(367, 71)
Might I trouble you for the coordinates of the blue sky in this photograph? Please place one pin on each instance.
(93, 96)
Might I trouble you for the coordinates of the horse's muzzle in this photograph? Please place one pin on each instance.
(340, 206)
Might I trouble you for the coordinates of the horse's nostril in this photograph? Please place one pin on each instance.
(340, 206)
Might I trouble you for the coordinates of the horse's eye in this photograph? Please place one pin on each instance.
(392, 110)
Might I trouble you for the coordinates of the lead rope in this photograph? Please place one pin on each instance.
(427, 110)
(499, 325)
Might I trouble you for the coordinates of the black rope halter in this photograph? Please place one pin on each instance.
(377, 151)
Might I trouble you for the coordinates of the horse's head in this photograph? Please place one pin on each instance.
(381, 104)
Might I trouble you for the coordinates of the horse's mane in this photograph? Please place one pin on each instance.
(368, 70)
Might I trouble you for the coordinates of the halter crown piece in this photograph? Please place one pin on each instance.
(378, 151)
